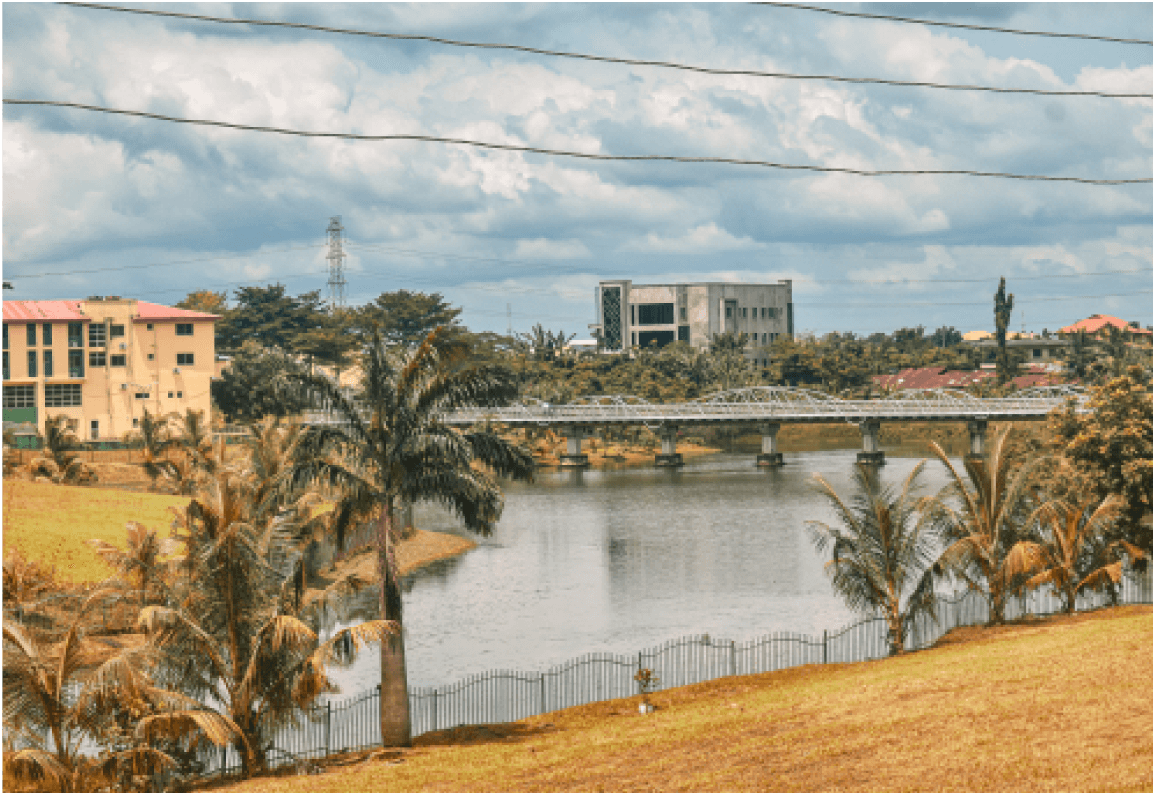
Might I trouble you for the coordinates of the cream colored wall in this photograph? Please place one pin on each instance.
(109, 392)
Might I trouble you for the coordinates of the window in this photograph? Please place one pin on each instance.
(5, 335)
(7, 373)
(744, 313)
(115, 331)
(31, 334)
(32, 360)
(754, 337)
(75, 334)
(46, 332)
(19, 396)
(94, 429)
(96, 337)
(142, 395)
(684, 314)
(683, 333)
(117, 360)
(183, 328)
(180, 395)
(170, 395)
(135, 424)
(772, 313)
(75, 363)
(48, 363)
(148, 326)
(1038, 352)
(655, 314)
(151, 356)
(728, 312)
(97, 358)
(65, 395)
(184, 359)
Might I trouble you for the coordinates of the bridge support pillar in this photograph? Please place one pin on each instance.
(669, 456)
(978, 430)
(871, 453)
(573, 456)
(769, 456)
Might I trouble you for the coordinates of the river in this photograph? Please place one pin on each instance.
(620, 560)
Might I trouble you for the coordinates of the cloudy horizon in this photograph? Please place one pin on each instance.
(103, 204)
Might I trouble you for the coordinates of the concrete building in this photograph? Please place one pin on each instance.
(101, 362)
(631, 316)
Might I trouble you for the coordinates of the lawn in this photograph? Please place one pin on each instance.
(52, 523)
(1056, 705)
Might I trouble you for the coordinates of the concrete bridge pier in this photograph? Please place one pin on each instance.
(871, 453)
(669, 456)
(573, 456)
(769, 456)
(978, 432)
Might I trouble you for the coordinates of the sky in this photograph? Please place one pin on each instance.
(104, 204)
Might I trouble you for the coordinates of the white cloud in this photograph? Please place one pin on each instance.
(551, 249)
(704, 239)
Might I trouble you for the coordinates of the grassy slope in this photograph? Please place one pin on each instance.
(51, 523)
(1062, 705)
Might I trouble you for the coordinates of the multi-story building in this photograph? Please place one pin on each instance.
(101, 362)
(635, 315)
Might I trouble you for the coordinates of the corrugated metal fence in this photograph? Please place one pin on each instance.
(505, 696)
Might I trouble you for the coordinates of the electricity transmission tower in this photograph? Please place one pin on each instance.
(335, 265)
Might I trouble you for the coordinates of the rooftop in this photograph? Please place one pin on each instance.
(1098, 322)
(70, 311)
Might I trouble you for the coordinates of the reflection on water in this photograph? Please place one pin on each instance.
(616, 561)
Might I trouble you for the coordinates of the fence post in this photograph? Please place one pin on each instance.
(543, 702)
(640, 666)
(732, 657)
(825, 648)
(328, 729)
(435, 715)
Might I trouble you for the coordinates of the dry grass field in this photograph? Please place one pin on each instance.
(1062, 704)
(52, 523)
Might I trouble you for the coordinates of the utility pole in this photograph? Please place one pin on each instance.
(335, 265)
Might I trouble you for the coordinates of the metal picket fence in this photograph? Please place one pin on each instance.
(506, 696)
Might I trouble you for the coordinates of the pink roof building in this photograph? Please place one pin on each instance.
(1100, 323)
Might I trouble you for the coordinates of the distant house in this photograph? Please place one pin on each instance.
(1099, 324)
(1037, 349)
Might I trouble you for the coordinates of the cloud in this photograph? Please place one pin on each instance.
(704, 239)
(551, 249)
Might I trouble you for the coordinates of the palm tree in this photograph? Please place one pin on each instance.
(391, 445)
(982, 519)
(60, 691)
(233, 632)
(1072, 552)
(142, 562)
(156, 439)
(882, 555)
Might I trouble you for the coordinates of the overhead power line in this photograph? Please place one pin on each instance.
(609, 59)
(959, 25)
(150, 265)
(576, 154)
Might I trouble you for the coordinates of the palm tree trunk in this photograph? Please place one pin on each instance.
(395, 719)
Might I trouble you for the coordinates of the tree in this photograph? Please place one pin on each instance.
(946, 336)
(61, 691)
(389, 445)
(269, 317)
(233, 633)
(142, 562)
(1063, 555)
(544, 345)
(205, 300)
(1111, 447)
(248, 389)
(1002, 310)
(728, 365)
(1116, 345)
(982, 520)
(1079, 355)
(404, 317)
(154, 437)
(882, 555)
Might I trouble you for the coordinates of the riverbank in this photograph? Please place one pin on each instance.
(1053, 704)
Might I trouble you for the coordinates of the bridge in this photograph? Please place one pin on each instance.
(766, 408)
